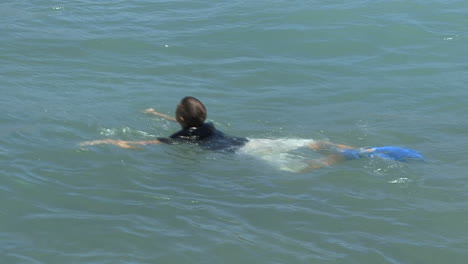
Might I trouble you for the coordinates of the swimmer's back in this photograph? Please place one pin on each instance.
(206, 136)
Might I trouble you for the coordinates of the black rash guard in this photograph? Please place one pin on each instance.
(207, 136)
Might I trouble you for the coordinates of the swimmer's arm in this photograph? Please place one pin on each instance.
(153, 112)
(120, 143)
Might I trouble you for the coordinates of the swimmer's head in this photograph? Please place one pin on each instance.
(190, 112)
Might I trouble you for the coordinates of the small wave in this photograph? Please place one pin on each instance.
(400, 180)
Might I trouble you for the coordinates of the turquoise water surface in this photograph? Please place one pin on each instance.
(363, 73)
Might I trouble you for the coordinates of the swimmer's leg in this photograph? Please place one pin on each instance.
(341, 154)
(325, 162)
(326, 145)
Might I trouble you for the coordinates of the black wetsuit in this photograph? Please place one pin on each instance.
(207, 136)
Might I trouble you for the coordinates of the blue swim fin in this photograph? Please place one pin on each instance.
(396, 153)
(386, 152)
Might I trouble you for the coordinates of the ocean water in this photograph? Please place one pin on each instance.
(363, 73)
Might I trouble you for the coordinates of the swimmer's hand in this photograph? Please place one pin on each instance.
(119, 143)
(154, 112)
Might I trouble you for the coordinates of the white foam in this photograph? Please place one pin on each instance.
(277, 152)
(269, 146)
(123, 131)
(400, 180)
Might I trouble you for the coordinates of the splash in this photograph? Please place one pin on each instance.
(280, 153)
(124, 131)
(399, 180)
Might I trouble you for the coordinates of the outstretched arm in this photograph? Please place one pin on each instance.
(120, 143)
(153, 112)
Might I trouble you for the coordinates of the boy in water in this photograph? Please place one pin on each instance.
(191, 115)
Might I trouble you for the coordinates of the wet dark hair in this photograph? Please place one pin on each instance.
(192, 111)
